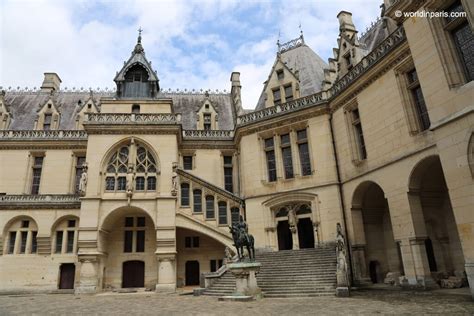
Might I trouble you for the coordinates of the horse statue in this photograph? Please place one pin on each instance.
(242, 238)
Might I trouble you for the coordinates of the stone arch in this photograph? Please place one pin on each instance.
(374, 250)
(64, 229)
(14, 219)
(61, 219)
(433, 218)
(15, 225)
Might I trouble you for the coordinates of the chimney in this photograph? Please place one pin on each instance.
(345, 22)
(51, 82)
(235, 92)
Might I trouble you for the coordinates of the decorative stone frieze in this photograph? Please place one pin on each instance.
(121, 118)
(208, 134)
(56, 201)
(26, 135)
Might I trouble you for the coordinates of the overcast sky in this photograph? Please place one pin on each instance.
(192, 44)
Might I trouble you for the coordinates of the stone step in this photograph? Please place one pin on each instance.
(271, 295)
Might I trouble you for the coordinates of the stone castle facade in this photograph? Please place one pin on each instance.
(136, 187)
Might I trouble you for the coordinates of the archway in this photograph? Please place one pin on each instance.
(374, 249)
(128, 237)
(431, 204)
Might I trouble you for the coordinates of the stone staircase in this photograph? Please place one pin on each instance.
(289, 273)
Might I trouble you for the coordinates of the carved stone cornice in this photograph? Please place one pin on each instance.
(131, 119)
(40, 201)
(52, 139)
(208, 135)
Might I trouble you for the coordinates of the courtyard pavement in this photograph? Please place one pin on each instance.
(147, 303)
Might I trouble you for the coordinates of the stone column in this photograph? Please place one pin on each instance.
(89, 274)
(420, 263)
(166, 272)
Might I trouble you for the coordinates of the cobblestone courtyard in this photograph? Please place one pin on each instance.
(362, 303)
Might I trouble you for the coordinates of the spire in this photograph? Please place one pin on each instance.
(139, 48)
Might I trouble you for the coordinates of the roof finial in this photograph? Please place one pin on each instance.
(301, 32)
(140, 30)
(278, 40)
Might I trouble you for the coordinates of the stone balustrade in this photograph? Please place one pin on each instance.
(43, 135)
(133, 118)
(10, 201)
(208, 134)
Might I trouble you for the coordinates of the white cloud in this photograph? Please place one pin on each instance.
(193, 44)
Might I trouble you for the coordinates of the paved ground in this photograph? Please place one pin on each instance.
(361, 303)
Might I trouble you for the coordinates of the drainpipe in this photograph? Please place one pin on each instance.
(341, 197)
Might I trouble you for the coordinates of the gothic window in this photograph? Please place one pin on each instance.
(22, 237)
(463, 39)
(36, 174)
(222, 213)
(197, 201)
(210, 207)
(303, 149)
(184, 194)
(134, 234)
(286, 154)
(228, 174)
(234, 215)
(418, 100)
(119, 164)
(303, 209)
(65, 238)
(270, 157)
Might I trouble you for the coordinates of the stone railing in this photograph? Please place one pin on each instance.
(39, 201)
(390, 43)
(208, 134)
(125, 118)
(287, 107)
(43, 135)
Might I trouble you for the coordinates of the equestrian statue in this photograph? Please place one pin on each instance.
(242, 238)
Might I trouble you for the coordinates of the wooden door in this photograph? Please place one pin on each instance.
(67, 273)
(192, 272)
(133, 274)
(285, 240)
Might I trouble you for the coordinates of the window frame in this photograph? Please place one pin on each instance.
(272, 173)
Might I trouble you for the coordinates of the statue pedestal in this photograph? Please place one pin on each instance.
(245, 279)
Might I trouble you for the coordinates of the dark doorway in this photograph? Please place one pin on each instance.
(192, 272)
(133, 274)
(430, 255)
(285, 240)
(67, 272)
(374, 268)
(305, 233)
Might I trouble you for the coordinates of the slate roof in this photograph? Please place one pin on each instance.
(310, 67)
(24, 107)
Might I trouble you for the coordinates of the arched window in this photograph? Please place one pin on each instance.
(197, 201)
(303, 209)
(119, 164)
(21, 237)
(210, 213)
(222, 213)
(282, 212)
(65, 237)
(184, 194)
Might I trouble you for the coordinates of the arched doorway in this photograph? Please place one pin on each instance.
(133, 274)
(430, 201)
(376, 252)
(294, 225)
(128, 237)
(192, 272)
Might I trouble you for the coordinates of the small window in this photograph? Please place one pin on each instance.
(184, 194)
(280, 74)
(110, 183)
(24, 237)
(234, 215)
(197, 201)
(151, 183)
(188, 162)
(128, 221)
(359, 135)
(276, 96)
(140, 221)
(70, 241)
(270, 157)
(47, 121)
(418, 100)
(25, 224)
(187, 242)
(36, 178)
(288, 93)
(222, 213)
(196, 242)
(210, 207)
(286, 155)
(12, 241)
(140, 183)
(140, 246)
(303, 150)
(191, 242)
(121, 183)
(207, 121)
(59, 241)
(136, 108)
(71, 223)
(128, 240)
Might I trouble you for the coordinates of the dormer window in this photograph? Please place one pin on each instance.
(288, 93)
(47, 120)
(280, 74)
(136, 108)
(207, 121)
(276, 96)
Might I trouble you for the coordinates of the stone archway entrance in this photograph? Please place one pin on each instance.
(431, 205)
(374, 249)
(133, 274)
(295, 228)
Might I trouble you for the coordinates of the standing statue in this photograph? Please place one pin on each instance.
(292, 220)
(130, 182)
(83, 180)
(242, 238)
(174, 180)
(228, 255)
(341, 272)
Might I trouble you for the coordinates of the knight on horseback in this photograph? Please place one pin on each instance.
(242, 238)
